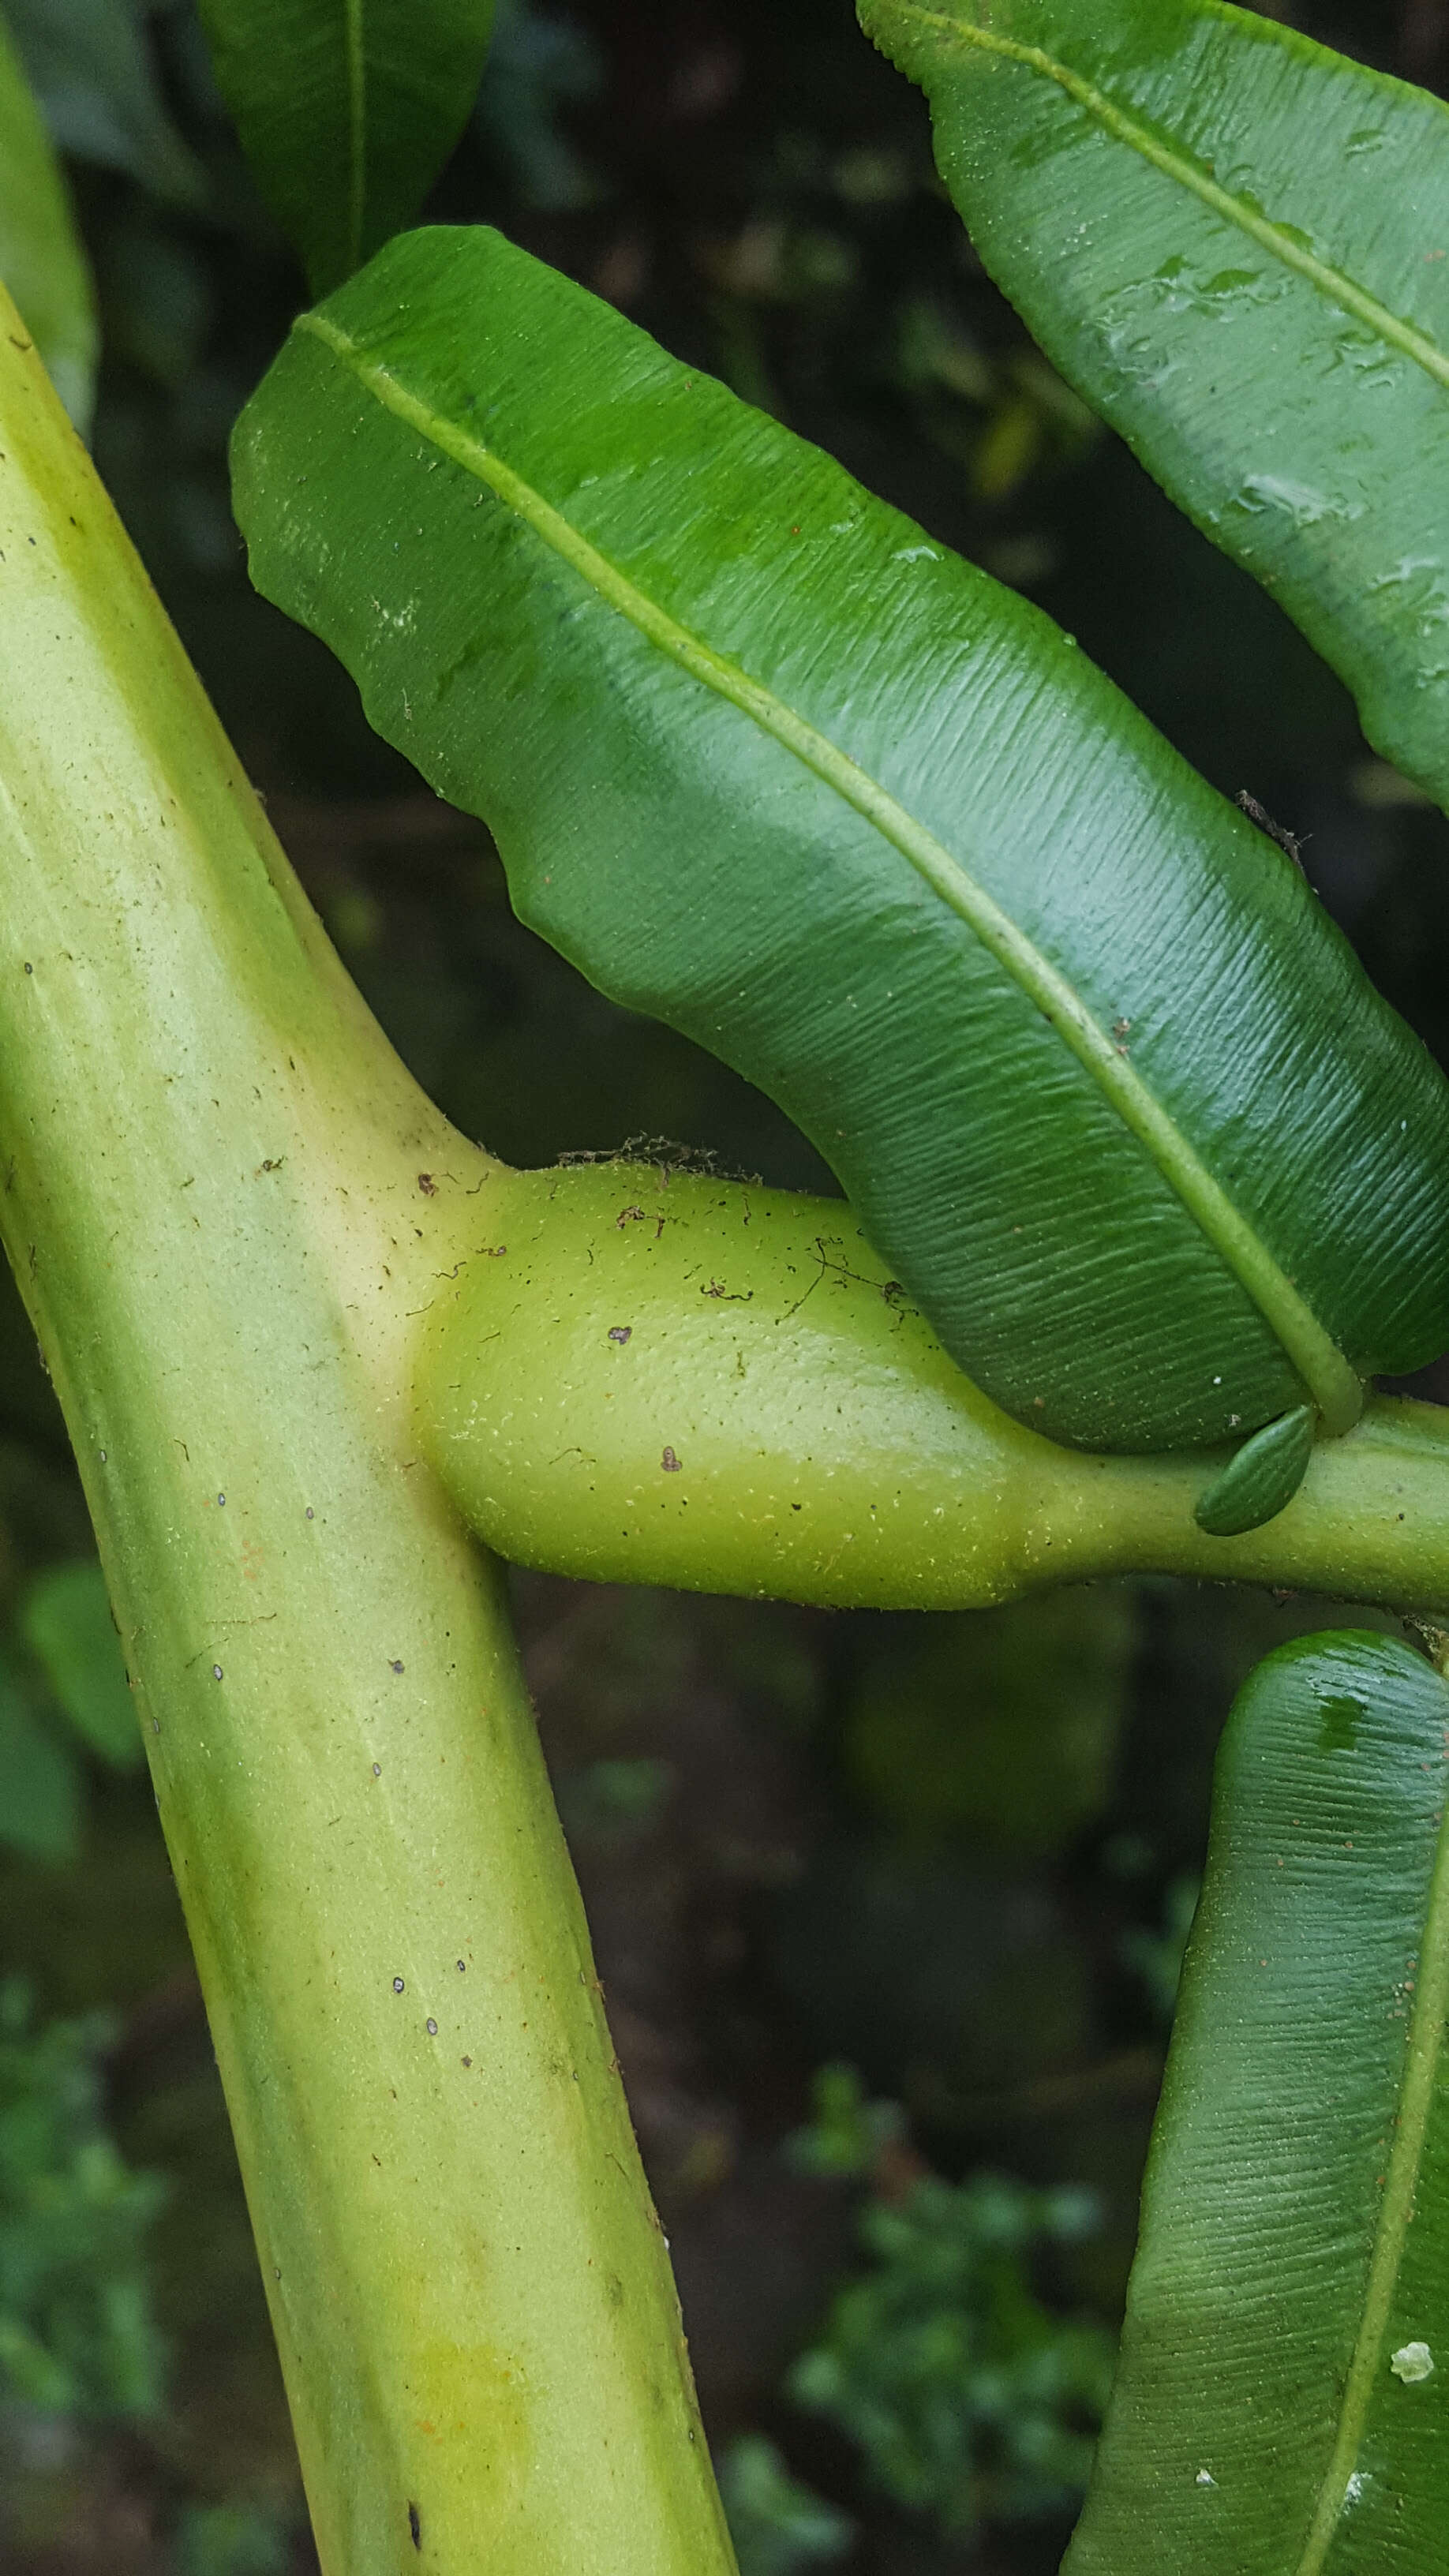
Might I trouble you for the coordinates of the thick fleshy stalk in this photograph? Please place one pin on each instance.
(227, 1205)
(652, 1376)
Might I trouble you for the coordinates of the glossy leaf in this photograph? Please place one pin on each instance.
(1260, 1478)
(1108, 1089)
(1275, 2413)
(347, 110)
(41, 259)
(1235, 243)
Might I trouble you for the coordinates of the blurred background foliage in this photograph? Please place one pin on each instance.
(889, 1911)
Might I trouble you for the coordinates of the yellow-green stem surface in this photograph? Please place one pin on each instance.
(227, 1203)
(650, 1376)
(301, 1330)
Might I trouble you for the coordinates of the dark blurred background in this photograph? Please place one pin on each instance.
(889, 1911)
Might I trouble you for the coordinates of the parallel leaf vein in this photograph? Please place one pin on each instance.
(1178, 164)
(1321, 1365)
(1396, 2211)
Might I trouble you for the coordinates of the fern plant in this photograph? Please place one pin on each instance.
(1146, 1184)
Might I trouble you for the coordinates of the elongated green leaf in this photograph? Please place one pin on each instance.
(347, 110)
(1236, 245)
(1260, 1478)
(92, 68)
(1107, 1087)
(1282, 2401)
(40, 1782)
(41, 259)
(66, 1621)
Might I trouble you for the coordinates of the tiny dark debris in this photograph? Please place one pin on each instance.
(1289, 842)
(216, 1672)
(620, 1332)
(462, 1967)
(427, 1185)
(432, 2029)
(377, 1770)
(397, 1985)
(670, 1464)
(415, 2526)
(397, 1667)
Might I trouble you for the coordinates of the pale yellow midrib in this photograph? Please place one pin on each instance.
(1396, 2211)
(1341, 289)
(1321, 1365)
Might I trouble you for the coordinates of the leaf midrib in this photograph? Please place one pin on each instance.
(1396, 2211)
(1176, 164)
(1321, 1365)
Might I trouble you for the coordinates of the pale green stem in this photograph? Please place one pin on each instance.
(647, 1376)
(227, 1203)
